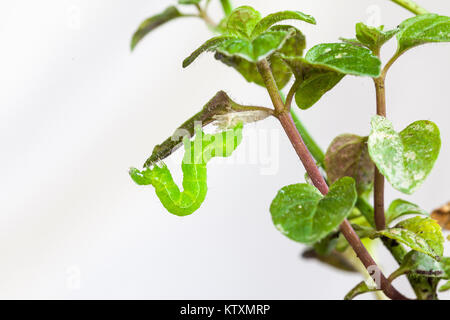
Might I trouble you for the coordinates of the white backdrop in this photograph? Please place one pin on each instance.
(77, 109)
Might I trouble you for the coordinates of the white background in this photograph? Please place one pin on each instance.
(77, 109)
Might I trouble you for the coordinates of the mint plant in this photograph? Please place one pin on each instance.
(331, 212)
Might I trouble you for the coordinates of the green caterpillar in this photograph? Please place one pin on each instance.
(197, 154)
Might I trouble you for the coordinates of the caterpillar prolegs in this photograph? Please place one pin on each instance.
(198, 152)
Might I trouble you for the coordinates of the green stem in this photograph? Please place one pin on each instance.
(411, 6)
(226, 6)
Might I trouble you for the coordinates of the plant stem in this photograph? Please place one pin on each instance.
(311, 144)
(226, 6)
(378, 195)
(320, 183)
(302, 151)
(411, 6)
(269, 81)
(291, 93)
(204, 15)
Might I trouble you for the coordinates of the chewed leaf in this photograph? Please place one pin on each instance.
(347, 156)
(399, 208)
(209, 45)
(197, 155)
(404, 158)
(373, 38)
(153, 22)
(302, 214)
(345, 58)
(359, 289)
(242, 21)
(273, 18)
(421, 29)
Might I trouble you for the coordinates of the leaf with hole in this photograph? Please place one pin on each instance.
(405, 158)
(347, 156)
(421, 29)
(304, 215)
(154, 22)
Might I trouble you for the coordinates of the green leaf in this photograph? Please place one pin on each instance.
(209, 45)
(316, 84)
(445, 287)
(255, 50)
(273, 18)
(189, 1)
(373, 38)
(445, 262)
(420, 234)
(404, 158)
(345, 58)
(427, 229)
(242, 21)
(315, 80)
(294, 45)
(419, 264)
(399, 208)
(421, 29)
(302, 214)
(347, 156)
(360, 288)
(153, 22)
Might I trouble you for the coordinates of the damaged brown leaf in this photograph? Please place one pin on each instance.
(347, 156)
